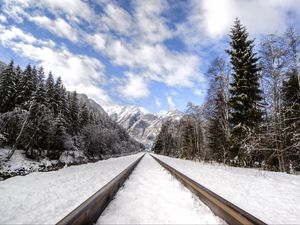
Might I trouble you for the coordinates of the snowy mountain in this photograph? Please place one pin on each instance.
(92, 105)
(140, 124)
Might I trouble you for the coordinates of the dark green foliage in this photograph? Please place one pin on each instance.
(179, 139)
(18, 83)
(74, 112)
(244, 103)
(291, 97)
(84, 116)
(39, 116)
(50, 93)
(28, 87)
(188, 147)
(216, 111)
(57, 137)
(218, 140)
(7, 88)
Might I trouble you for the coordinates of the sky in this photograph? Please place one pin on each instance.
(149, 53)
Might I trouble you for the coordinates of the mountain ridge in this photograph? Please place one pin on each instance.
(142, 125)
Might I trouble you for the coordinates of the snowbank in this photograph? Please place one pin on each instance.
(273, 197)
(20, 165)
(44, 198)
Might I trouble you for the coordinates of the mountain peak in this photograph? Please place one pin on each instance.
(140, 123)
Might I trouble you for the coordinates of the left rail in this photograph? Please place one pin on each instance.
(90, 210)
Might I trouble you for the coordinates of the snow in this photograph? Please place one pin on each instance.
(46, 197)
(153, 196)
(273, 197)
(19, 164)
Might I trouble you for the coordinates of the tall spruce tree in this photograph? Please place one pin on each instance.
(50, 92)
(7, 88)
(28, 87)
(74, 112)
(244, 103)
(18, 80)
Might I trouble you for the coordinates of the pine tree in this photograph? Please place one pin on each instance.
(84, 115)
(35, 80)
(28, 87)
(18, 80)
(244, 103)
(38, 130)
(217, 135)
(40, 75)
(59, 96)
(58, 137)
(50, 93)
(188, 141)
(40, 94)
(7, 88)
(291, 102)
(74, 112)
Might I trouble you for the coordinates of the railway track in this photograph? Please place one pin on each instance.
(90, 210)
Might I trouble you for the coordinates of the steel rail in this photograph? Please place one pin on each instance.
(222, 208)
(90, 210)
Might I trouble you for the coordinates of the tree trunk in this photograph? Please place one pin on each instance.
(12, 151)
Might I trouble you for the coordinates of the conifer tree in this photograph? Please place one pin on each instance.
(188, 141)
(28, 87)
(7, 88)
(50, 92)
(40, 75)
(59, 97)
(58, 137)
(217, 135)
(74, 112)
(291, 102)
(244, 103)
(84, 115)
(35, 80)
(18, 84)
(40, 94)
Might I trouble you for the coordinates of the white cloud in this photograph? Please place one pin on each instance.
(78, 72)
(151, 25)
(132, 40)
(57, 26)
(214, 18)
(3, 18)
(171, 102)
(117, 19)
(98, 41)
(135, 87)
(72, 9)
(157, 62)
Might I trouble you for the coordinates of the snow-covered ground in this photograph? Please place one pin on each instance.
(46, 197)
(152, 196)
(273, 197)
(20, 165)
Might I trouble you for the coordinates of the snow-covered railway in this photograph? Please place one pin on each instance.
(152, 195)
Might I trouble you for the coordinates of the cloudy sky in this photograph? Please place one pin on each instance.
(151, 53)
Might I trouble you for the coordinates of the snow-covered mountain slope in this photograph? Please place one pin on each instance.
(142, 125)
(92, 105)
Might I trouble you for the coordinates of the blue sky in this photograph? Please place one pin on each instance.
(151, 53)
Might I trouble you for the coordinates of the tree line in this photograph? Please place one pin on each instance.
(251, 116)
(38, 115)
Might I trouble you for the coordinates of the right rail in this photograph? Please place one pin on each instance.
(220, 206)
